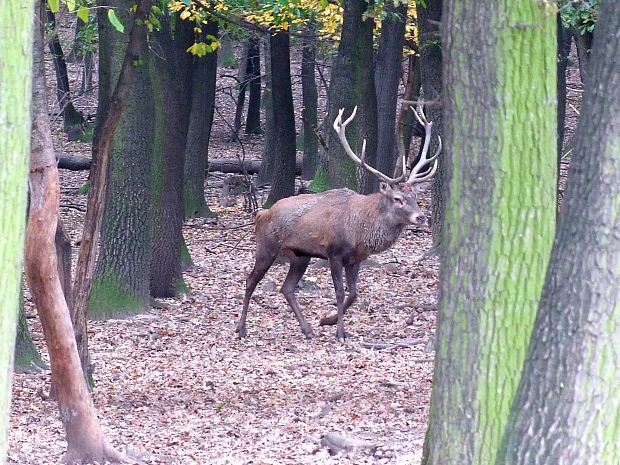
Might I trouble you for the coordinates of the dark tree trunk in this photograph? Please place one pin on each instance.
(121, 281)
(352, 84)
(85, 439)
(270, 147)
(387, 74)
(72, 119)
(252, 122)
(584, 47)
(283, 184)
(242, 80)
(109, 117)
(204, 76)
(171, 82)
(310, 99)
(566, 408)
(431, 76)
(406, 119)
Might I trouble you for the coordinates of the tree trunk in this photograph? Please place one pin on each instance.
(15, 66)
(171, 82)
(109, 114)
(252, 122)
(283, 184)
(85, 440)
(270, 147)
(71, 117)
(387, 74)
(204, 76)
(351, 84)
(27, 358)
(310, 99)
(584, 47)
(567, 407)
(431, 77)
(121, 282)
(242, 80)
(499, 217)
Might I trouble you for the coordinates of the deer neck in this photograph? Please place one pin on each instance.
(378, 230)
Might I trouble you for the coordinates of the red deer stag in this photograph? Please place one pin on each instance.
(338, 225)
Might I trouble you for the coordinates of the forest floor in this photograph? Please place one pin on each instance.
(176, 386)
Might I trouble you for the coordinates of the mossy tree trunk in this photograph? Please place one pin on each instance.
(171, 80)
(27, 357)
(15, 76)
(500, 168)
(283, 183)
(121, 281)
(567, 408)
(204, 76)
(352, 84)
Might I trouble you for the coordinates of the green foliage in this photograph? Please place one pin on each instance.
(580, 15)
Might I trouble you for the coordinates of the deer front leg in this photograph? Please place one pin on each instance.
(351, 273)
(336, 269)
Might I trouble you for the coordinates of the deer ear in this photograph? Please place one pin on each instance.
(384, 187)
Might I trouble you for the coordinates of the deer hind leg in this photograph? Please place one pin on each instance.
(296, 271)
(265, 256)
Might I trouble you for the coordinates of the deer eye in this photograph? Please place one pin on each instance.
(398, 201)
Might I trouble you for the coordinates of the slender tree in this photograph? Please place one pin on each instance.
(204, 76)
(85, 439)
(310, 99)
(283, 182)
(567, 409)
(15, 66)
(500, 137)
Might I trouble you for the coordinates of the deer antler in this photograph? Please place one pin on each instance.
(415, 176)
(340, 128)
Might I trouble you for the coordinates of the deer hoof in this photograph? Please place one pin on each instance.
(241, 332)
(330, 320)
(309, 333)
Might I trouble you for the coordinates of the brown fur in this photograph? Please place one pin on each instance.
(338, 225)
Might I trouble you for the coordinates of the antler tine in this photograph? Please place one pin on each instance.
(340, 128)
(414, 176)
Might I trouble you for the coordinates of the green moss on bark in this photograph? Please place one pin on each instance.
(109, 298)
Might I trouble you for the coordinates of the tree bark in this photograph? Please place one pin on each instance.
(270, 147)
(252, 122)
(85, 440)
(499, 217)
(431, 77)
(387, 75)
(351, 84)
(71, 117)
(567, 408)
(110, 115)
(204, 77)
(171, 81)
(283, 182)
(310, 98)
(15, 65)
